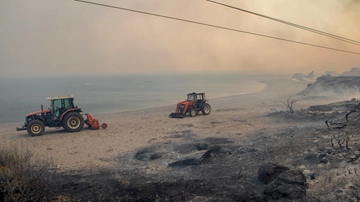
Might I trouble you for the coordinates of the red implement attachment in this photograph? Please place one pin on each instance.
(93, 123)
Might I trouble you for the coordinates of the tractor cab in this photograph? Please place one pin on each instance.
(196, 97)
(60, 104)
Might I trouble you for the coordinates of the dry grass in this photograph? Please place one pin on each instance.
(22, 179)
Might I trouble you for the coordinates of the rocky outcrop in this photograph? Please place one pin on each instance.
(288, 186)
(282, 184)
(269, 171)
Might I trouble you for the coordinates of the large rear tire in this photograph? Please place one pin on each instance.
(206, 109)
(35, 128)
(73, 122)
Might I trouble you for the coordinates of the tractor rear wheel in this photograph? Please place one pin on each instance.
(35, 128)
(73, 122)
(192, 112)
(206, 109)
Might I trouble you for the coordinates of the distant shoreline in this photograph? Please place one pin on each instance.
(265, 87)
(249, 99)
(266, 93)
(261, 86)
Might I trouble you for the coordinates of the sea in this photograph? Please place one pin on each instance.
(101, 94)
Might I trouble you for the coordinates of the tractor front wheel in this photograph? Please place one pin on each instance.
(73, 122)
(206, 109)
(192, 112)
(35, 128)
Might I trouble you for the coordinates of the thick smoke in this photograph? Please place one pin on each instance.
(68, 37)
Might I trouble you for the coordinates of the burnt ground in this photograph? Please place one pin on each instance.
(328, 158)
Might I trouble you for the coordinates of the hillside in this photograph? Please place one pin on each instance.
(330, 86)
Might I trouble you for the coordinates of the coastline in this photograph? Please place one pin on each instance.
(138, 146)
(130, 111)
(124, 103)
(130, 130)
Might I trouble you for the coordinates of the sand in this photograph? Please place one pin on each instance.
(131, 130)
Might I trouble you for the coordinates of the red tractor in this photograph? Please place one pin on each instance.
(62, 113)
(194, 103)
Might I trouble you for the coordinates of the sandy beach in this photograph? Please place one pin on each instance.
(129, 131)
(240, 120)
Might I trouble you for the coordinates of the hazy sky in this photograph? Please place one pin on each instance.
(41, 37)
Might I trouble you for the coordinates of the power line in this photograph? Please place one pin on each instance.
(215, 26)
(292, 24)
